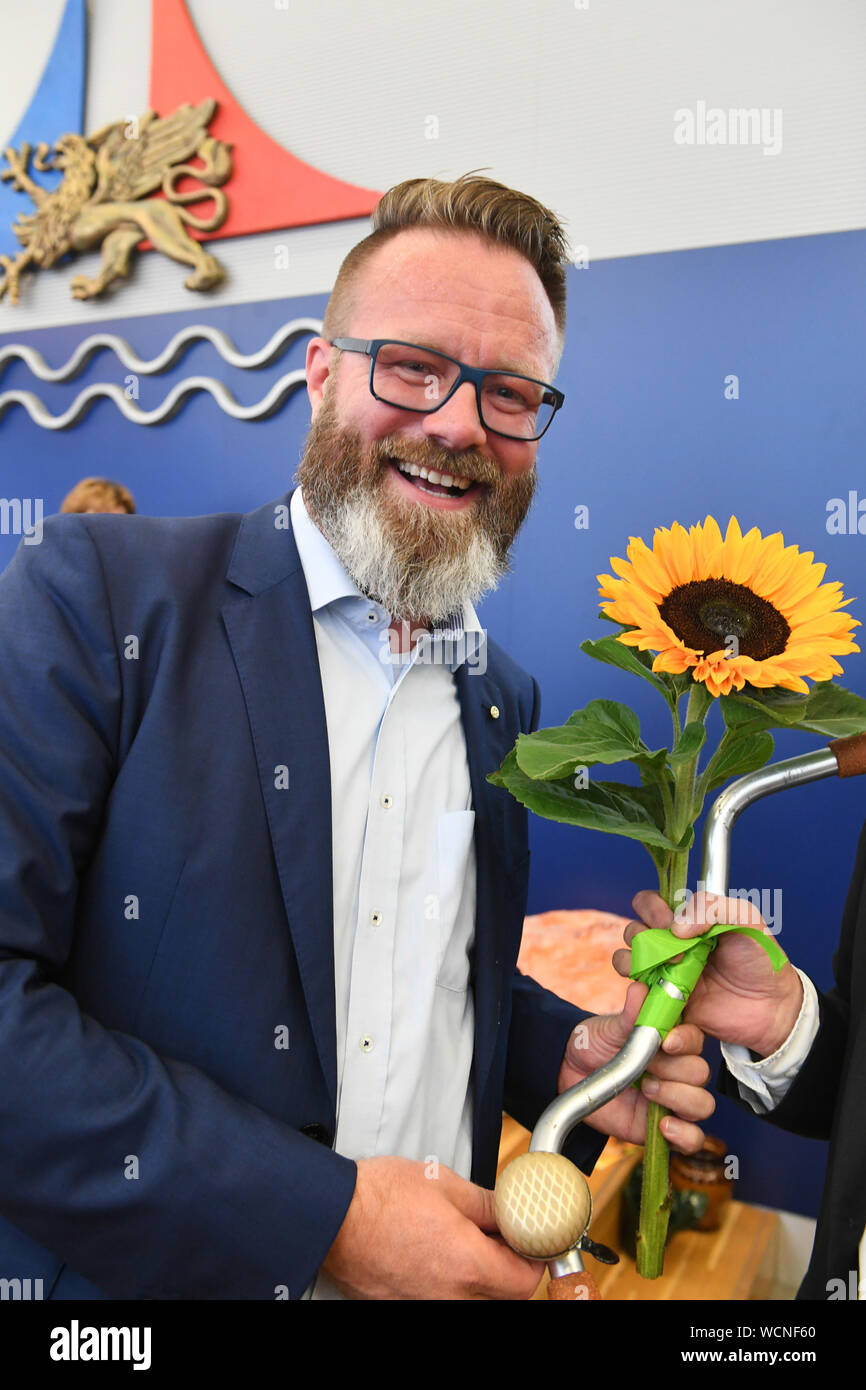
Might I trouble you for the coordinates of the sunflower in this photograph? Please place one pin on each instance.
(730, 609)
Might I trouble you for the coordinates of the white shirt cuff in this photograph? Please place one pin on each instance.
(765, 1084)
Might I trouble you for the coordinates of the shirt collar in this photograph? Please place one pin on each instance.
(458, 637)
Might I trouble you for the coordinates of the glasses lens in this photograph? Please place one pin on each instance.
(415, 378)
(516, 407)
(418, 379)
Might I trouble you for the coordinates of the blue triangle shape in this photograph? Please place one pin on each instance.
(57, 108)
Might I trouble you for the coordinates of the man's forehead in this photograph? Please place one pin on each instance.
(464, 290)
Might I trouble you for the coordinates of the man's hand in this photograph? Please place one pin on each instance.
(407, 1235)
(738, 998)
(676, 1076)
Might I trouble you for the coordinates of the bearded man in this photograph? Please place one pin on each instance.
(259, 908)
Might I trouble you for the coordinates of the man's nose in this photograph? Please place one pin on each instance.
(457, 424)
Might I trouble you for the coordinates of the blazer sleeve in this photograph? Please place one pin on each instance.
(809, 1106)
(541, 1025)
(223, 1201)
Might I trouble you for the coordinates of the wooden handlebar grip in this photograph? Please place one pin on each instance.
(574, 1286)
(850, 754)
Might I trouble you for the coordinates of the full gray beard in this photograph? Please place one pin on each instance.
(435, 589)
(423, 564)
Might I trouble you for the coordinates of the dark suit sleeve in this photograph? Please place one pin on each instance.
(137, 1170)
(541, 1025)
(809, 1106)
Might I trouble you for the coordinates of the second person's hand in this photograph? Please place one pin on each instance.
(738, 998)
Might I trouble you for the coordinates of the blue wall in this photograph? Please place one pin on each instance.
(646, 437)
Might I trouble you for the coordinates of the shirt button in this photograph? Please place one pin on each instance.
(366, 1043)
(387, 801)
(375, 919)
(372, 617)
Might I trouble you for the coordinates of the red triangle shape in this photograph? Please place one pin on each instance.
(270, 187)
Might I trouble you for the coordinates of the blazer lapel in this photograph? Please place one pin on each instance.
(270, 629)
(488, 740)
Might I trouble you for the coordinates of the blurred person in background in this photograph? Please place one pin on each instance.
(99, 495)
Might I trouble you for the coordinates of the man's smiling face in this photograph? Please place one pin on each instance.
(420, 552)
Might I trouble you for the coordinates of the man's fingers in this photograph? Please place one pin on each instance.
(505, 1274)
(493, 1270)
(474, 1202)
(693, 917)
(686, 1037)
(635, 995)
(685, 1138)
(703, 910)
(689, 1102)
(607, 1032)
(652, 909)
(622, 962)
(694, 1071)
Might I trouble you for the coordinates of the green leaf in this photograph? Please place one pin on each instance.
(736, 757)
(611, 807)
(549, 754)
(615, 653)
(742, 715)
(689, 743)
(752, 710)
(829, 709)
(834, 711)
(604, 732)
(611, 727)
(653, 766)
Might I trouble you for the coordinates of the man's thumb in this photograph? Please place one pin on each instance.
(637, 993)
(608, 1032)
(475, 1203)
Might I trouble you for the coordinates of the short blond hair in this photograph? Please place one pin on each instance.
(93, 493)
(471, 203)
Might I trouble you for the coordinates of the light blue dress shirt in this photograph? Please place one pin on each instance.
(403, 872)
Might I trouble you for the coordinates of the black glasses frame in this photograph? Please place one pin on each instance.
(370, 347)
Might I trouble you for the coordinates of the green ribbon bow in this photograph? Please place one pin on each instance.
(653, 949)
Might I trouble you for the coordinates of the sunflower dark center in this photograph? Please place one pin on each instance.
(707, 613)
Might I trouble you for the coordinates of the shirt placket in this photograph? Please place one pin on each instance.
(369, 1027)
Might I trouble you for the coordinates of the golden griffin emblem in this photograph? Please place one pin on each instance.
(103, 198)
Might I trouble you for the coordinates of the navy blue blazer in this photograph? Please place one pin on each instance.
(166, 915)
(825, 1101)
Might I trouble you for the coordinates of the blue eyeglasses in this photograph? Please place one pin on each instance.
(422, 379)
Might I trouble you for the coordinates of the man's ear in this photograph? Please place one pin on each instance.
(318, 367)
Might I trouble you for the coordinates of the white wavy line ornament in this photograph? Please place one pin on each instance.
(176, 397)
(171, 353)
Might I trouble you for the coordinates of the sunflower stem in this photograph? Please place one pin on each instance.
(673, 878)
(667, 798)
(675, 716)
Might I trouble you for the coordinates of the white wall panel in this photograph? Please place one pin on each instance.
(575, 105)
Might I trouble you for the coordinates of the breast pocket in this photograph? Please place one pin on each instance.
(455, 892)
